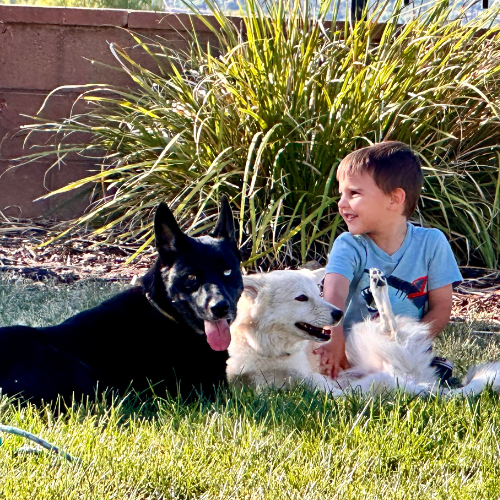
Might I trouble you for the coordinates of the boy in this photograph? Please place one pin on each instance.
(379, 189)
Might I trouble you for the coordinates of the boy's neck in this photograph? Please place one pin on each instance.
(391, 238)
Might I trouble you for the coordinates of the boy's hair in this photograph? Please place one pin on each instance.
(392, 165)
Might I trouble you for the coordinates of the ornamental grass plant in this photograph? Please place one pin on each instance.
(267, 114)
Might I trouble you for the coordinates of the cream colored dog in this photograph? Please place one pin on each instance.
(279, 314)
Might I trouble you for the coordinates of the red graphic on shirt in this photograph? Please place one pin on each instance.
(421, 285)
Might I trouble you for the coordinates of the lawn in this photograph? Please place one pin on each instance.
(273, 445)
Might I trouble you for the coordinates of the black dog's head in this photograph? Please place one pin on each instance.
(201, 276)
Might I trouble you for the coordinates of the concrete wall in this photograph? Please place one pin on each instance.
(42, 48)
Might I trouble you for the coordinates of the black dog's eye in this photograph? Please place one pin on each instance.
(227, 272)
(301, 298)
(191, 277)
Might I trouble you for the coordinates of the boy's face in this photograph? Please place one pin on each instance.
(364, 206)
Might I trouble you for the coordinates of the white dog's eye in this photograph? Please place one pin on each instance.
(301, 298)
(227, 272)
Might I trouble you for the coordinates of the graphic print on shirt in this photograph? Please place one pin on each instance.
(415, 291)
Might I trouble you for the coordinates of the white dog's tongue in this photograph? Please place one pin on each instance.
(218, 335)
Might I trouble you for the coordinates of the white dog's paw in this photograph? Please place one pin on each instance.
(377, 278)
(380, 292)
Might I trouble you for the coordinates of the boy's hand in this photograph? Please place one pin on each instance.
(332, 355)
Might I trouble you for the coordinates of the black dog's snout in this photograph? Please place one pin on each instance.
(337, 315)
(220, 309)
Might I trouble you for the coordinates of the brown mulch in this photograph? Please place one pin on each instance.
(83, 257)
(486, 305)
(66, 260)
(478, 296)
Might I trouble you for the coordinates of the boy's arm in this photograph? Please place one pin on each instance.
(440, 303)
(332, 354)
(443, 274)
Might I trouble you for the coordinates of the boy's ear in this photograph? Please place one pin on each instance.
(397, 198)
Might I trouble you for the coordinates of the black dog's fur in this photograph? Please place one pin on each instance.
(147, 334)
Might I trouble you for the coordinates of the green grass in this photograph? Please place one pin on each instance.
(297, 445)
(44, 303)
(294, 445)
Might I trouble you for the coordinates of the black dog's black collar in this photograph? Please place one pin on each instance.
(159, 309)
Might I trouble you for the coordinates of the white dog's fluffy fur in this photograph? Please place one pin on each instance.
(267, 348)
(280, 312)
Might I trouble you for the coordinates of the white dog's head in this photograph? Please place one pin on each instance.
(287, 306)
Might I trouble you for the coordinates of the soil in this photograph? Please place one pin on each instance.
(68, 260)
(478, 296)
(83, 256)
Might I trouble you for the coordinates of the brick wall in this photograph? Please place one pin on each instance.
(42, 48)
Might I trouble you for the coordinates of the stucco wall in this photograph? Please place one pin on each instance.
(42, 48)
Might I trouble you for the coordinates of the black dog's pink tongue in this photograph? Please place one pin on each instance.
(218, 335)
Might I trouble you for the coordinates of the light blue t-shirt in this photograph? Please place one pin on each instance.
(424, 262)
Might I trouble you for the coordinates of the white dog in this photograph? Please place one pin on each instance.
(281, 311)
(278, 314)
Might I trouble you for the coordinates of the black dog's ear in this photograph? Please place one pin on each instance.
(168, 234)
(225, 225)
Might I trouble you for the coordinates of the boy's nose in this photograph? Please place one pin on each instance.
(342, 203)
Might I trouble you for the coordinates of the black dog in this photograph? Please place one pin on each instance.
(172, 329)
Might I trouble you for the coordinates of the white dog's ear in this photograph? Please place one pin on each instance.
(252, 285)
(319, 275)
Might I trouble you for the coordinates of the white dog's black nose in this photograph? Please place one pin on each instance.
(337, 315)
(220, 309)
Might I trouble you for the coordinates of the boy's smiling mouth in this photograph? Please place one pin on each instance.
(349, 217)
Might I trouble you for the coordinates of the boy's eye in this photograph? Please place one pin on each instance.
(301, 298)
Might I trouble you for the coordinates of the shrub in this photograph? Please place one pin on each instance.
(267, 115)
